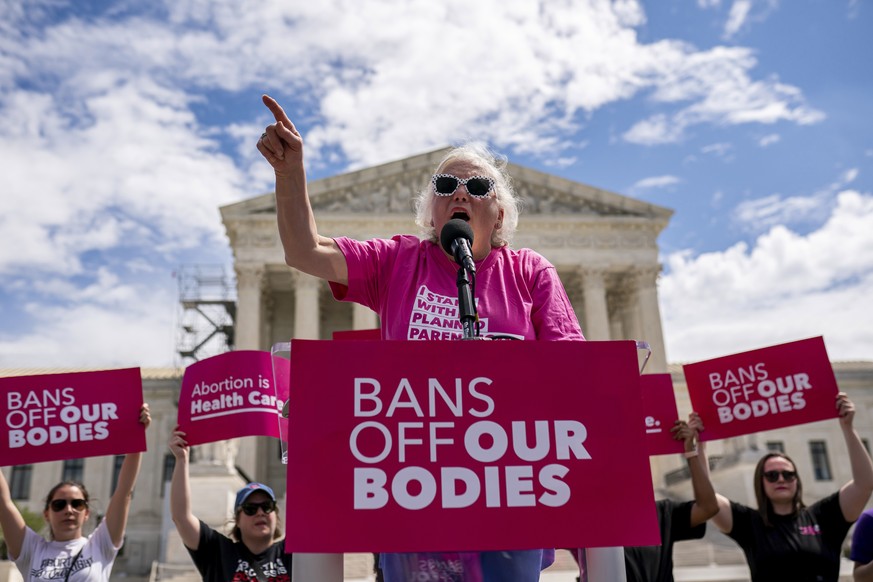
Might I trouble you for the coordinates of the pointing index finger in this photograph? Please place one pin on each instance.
(276, 110)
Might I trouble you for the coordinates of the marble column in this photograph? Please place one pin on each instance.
(250, 286)
(250, 282)
(363, 317)
(596, 312)
(650, 317)
(307, 314)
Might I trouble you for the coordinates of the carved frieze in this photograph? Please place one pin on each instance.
(391, 195)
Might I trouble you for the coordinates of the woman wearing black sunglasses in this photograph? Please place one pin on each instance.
(68, 554)
(254, 552)
(413, 286)
(786, 540)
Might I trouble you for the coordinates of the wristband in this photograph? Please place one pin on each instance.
(690, 454)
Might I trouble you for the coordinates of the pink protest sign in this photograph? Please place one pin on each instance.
(358, 334)
(446, 446)
(766, 389)
(55, 417)
(233, 395)
(659, 410)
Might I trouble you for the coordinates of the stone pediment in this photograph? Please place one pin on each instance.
(391, 188)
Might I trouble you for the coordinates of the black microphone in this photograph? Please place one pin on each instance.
(456, 239)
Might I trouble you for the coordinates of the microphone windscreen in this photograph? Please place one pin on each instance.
(453, 230)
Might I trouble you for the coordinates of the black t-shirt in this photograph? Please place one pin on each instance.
(220, 559)
(655, 563)
(801, 547)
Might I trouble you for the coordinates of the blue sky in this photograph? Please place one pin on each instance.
(125, 125)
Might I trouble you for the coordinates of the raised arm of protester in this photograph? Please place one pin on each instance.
(705, 504)
(306, 250)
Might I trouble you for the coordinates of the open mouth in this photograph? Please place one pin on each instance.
(462, 215)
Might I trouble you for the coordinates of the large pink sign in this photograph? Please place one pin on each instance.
(357, 334)
(660, 414)
(766, 389)
(55, 417)
(233, 395)
(441, 446)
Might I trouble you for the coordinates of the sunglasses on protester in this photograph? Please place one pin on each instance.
(252, 508)
(446, 184)
(61, 504)
(773, 476)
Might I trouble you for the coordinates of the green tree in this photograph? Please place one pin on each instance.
(33, 520)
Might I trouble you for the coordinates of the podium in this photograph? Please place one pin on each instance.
(527, 444)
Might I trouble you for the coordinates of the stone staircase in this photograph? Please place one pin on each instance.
(715, 558)
(715, 549)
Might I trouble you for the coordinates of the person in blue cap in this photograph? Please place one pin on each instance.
(254, 552)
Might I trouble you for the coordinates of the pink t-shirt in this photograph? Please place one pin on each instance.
(412, 285)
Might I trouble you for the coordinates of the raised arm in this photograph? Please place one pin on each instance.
(10, 520)
(705, 505)
(187, 524)
(305, 249)
(854, 494)
(119, 504)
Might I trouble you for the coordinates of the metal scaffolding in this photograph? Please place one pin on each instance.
(207, 296)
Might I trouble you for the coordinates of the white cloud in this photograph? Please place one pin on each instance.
(108, 324)
(135, 172)
(562, 162)
(654, 182)
(721, 150)
(113, 146)
(741, 15)
(737, 17)
(716, 199)
(105, 149)
(849, 176)
(784, 287)
(715, 88)
(769, 140)
(774, 210)
(526, 71)
(763, 213)
(654, 131)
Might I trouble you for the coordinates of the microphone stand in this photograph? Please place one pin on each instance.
(467, 304)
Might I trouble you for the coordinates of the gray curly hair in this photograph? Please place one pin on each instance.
(493, 165)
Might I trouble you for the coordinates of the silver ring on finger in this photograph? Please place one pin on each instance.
(263, 135)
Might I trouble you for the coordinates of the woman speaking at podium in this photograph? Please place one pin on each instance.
(518, 292)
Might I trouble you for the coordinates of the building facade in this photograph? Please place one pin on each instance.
(604, 247)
